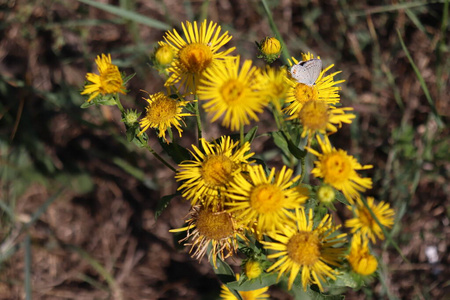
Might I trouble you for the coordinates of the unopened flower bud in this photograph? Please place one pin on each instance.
(270, 49)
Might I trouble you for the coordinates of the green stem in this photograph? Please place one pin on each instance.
(302, 161)
(150, 149)
(119, 105)
(241, 134)
(197, 114)
(274, 28)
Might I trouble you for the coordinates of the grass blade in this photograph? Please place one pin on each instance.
(129, 15)
(42, 209)
(27, 248)
(99, 268)
(422, 82)
(274, 28)
(393, 7)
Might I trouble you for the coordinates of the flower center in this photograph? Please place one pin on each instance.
(217, 170)
(336, 168)
(304, 93)
(111, 80)
(314, 115)
(215, 226)
(365, 217)
(196, 57)
(304, 248)
(266, 198)
(162, 110)
(232, 91)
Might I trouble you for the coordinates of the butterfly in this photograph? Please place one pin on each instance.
(307, 72)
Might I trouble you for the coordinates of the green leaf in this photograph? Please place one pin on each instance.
(132, 132)
(128, 78)
(341, 198)
(251, 134)
(287, 146)
(126, 14)
(281, 142)
(100, 100)
(163, 203)
(345, 279)
(175, 151)
(222, 269)
(313, 295)
(266, 279)
(224, 272)
(296, 151)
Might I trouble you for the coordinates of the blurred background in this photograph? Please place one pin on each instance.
(78, 202)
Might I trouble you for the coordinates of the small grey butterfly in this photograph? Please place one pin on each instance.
(307, 72)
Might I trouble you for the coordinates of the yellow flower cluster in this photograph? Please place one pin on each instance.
(236, 199)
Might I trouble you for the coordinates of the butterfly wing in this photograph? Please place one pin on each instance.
(313, 66)
(307, 72)
(299, 73)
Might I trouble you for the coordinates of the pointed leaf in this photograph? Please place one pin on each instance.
(163, 203)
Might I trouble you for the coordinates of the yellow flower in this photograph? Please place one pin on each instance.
(162, 113)
(365, 223)
(325, 89)
(218, 230)
(212, 170)
(253, 269)
(264, 200)
(276, 85)
(307, 250)
(196, 53)
(238, 95)
(259, 294)
(108, 82)
(338, 169)
(319, 117)
(360, 259)
(164, 54)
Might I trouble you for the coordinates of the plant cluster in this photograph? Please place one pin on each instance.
(271, 216)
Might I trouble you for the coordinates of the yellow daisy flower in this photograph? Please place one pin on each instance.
(338, 169)
(325, 88)
(365, 223)
(109, 80)
(162, 113)
(276, 85)
(239, 95)
(212, 170)
(259, 294)
(264, 200)
(197, 52)
(319, 117)
(218, 230)
(306, 249)
(360, 259)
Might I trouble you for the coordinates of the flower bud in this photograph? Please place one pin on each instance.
(270, 49)
(252, 269)
(326, 194)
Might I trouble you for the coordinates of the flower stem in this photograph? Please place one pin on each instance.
(274, 28)
(150, 149)
(241, 134)
(119, 105)
(199, 120)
